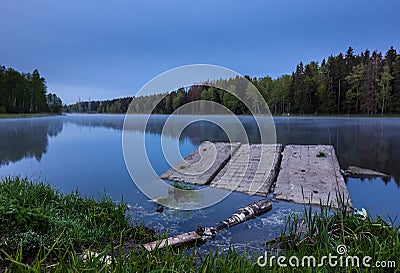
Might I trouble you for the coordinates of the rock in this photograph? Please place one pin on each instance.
(355, 171)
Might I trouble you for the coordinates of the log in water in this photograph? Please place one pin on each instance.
(204, 234)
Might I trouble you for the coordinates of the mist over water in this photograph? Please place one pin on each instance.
(84, 152)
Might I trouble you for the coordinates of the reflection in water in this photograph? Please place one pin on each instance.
(177, 198)
(26, 138)
(103, 121)
(197, 132)
(365, 142)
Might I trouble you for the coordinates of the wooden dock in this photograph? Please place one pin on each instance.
(202, 165)
(252, 169)
(304, 174)
(311, 174)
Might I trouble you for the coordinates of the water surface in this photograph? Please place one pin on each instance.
(84, 152)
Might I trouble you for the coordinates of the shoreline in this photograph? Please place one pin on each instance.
(16, 116)
(98, 235)
(241, 115)
(39, 115)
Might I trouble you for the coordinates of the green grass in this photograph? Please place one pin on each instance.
(27, 115)
(44, 230)
(182, 186)
(320, 233)
(35, 218)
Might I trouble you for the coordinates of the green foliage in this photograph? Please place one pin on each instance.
(343, 84)
(181, 186)
(54, 103)
(319, 233)
(25, 93)
(385, 88)
(353, 95)
(180, 99)
(33, 216)
(108, 106)
(312, 233)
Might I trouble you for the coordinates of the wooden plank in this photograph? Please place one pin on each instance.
(251, 170)
(311, 174)
(202, 165)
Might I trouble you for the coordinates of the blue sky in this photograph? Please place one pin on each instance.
(106, 49)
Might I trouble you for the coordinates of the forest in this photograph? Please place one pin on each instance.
(362, 84)
(26, 93)
(119, 105)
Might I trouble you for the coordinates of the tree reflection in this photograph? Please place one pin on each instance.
(370, 143)
(365, 142)
(26, 138)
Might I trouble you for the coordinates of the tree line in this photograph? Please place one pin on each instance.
(113, 106)
(22, 93)
(367, 83)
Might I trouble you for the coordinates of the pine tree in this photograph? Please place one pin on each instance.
(395, 98)
(354, 79)
(311, 83)
(373, 69)
(300, 101)
(385, 88)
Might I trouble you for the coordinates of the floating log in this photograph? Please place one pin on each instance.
(179, 239)
(355, 171)
(245, 214)
(203, 234)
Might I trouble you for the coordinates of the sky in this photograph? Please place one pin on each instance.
(101, 49)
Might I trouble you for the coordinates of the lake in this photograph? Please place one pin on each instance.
(84, 152)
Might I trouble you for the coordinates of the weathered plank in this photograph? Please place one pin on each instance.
(311, 174)
(252, 169)
(201, 166)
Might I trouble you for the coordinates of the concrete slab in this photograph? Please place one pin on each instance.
(252, 169)
(309, 174)
(202, 165)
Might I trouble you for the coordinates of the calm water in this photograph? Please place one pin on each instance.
(84, 152)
